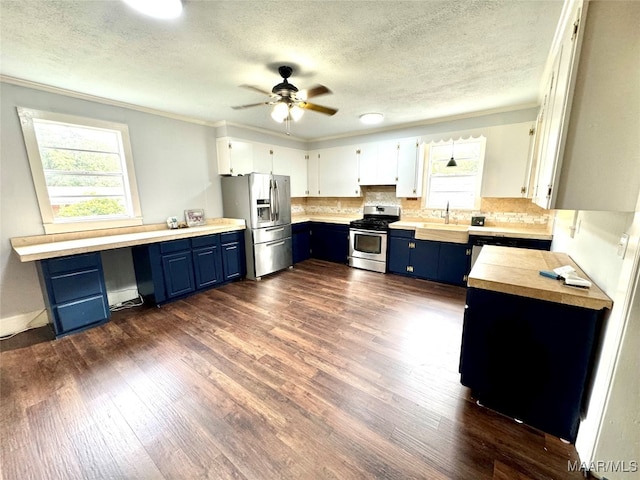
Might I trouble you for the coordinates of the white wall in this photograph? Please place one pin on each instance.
(175, 166)
(610, 431)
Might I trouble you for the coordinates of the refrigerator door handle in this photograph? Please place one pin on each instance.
(272, 215)
(274, 229)
(277, 198)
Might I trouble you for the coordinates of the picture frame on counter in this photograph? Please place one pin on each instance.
(194, 217)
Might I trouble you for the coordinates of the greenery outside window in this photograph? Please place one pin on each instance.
(82, 171)
(457, 185)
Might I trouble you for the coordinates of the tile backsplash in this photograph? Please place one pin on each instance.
(497, 211)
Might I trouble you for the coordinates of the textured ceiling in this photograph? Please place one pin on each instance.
(411, 60)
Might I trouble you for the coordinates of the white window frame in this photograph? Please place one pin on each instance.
(478, 175)
(59, 225)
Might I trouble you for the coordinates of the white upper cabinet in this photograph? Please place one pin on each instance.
(235, 157)
(262, 158)
(377, 163)
(588, 143)
(292, 162)
(506, 161)
(313, 185)
(337, 172)
(410, 168)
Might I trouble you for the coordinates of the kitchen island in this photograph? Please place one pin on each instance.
(529, 342)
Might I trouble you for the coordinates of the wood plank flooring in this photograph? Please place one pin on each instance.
(319, 372)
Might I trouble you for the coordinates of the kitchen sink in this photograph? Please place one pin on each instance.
(443, 232)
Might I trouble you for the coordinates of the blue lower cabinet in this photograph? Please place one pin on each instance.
(178, 273)
(329, 242)
(301, 241)
(438, 261)
(233, 255)
(454, 263)
(76, 292)
(170, 270)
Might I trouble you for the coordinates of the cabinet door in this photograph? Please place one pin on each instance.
(234, 157)
(178, 273)
(399, 259)
(300, 240)
(454, 263)
(232, 259)
(330, 242)
(338, 172)
(292, 162)
(506, 159)
(387, 163)
(263, 156)
(410, 168)
(313, 185)
(558, 107)
(206, 265)
(424, 259)
(367, 155)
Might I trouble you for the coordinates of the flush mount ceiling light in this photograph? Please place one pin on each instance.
(371, 118)
(163, 9)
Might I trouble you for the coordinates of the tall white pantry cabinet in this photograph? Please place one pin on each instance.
(588, 131)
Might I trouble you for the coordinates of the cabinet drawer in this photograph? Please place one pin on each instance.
(175, 245)
(72, 263)
(206, 241)
(72, 286)
(231, 237)
(74, 315)
(401, 233)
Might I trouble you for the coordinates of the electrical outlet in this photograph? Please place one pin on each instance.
(622, 245)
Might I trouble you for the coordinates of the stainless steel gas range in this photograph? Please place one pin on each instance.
(368, 238)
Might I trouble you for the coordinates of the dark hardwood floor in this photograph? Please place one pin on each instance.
(320, 372)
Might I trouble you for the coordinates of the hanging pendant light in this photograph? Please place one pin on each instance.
(452, 162)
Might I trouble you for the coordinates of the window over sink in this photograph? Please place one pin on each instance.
(458, 185)
(82, 170)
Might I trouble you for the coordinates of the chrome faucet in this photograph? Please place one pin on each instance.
(446, 214)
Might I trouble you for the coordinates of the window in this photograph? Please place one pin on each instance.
(459, 185)
(82, 170)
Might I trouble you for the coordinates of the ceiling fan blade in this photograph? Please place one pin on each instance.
(257, 89)
(249, 105)
(318, 108)
(314, 91)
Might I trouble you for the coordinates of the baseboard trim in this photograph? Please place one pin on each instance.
(22, 322)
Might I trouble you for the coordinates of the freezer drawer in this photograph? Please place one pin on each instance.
(272, 256)
(271, 234)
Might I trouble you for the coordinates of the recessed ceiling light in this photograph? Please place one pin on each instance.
(371, 118)
(164, 9)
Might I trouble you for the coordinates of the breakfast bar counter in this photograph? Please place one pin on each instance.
(41, 247)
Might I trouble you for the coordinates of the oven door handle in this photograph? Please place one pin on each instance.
(369, 232)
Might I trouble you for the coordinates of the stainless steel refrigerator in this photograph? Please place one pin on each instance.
(264, 202)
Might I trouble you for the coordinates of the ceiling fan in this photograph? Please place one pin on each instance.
(287, 101)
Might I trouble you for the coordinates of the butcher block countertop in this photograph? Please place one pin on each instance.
(516, 231)
(59, 245)
(516, 271)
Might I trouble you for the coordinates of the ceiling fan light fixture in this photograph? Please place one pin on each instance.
(162, 9)
(280, 112)
(371, 118)
(296, 112)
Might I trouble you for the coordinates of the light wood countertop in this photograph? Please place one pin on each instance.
(516, 271)
(325, 218)
(40, 247)
(491, 231)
